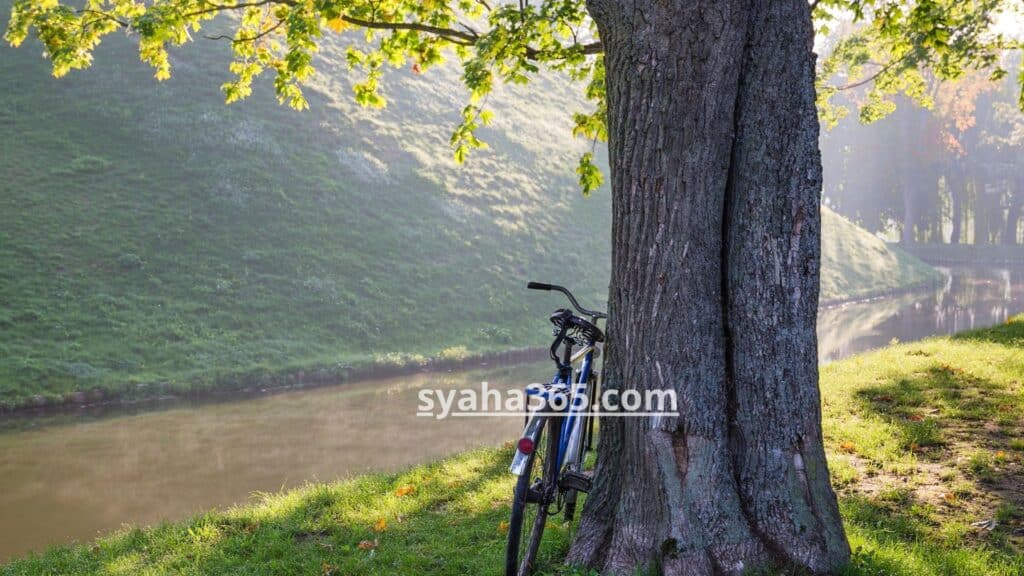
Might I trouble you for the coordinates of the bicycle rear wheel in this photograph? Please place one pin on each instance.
(533, 493)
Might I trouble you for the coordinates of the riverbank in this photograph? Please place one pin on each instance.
(967, 254)
(880, 272)
(265, 381)
(924, 440)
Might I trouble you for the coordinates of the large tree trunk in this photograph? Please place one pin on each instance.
(716, 179)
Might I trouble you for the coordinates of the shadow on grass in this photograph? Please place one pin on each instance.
(941, 404)
(901, 538)
(963, 431)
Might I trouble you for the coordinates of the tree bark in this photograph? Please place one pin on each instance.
(716, 182)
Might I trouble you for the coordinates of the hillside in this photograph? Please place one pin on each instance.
(857, 264)
(153, 239)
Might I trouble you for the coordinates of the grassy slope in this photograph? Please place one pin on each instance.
(150, 234)
(153, 239)
(923, 440)
(860, 264)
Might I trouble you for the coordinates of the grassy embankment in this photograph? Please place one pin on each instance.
(924, 440)
(858, 265)
(155, 241)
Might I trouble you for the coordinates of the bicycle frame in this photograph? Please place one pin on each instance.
(570, 442)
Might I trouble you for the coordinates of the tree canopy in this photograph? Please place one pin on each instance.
(886, 45)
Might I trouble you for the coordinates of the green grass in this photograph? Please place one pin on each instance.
(856, 264)
(924, 440)
(155, 241)
(908, 497)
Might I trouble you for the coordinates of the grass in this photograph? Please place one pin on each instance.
(923, 442)
(154, 241)
(856, 264)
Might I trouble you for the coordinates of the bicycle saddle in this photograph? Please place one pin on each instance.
(576, 326)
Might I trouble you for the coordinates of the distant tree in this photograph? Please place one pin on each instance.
(1001, 142)
(709, 110)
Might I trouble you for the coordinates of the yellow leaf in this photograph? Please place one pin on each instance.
(405, 490)
(381, 525)
(337, 24)
(848, 447)
(503, 527)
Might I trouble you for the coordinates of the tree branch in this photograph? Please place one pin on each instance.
(592, 48)
(214, 7)
(456, 36)
(252, 38)
(874, 76)
(468, 37)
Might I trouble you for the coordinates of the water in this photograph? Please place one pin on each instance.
(66, 478)
(970, 297)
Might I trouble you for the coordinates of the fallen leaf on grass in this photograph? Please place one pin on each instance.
(381, 525)
(915, 418)
(503, 527)
(949, 497)
(328, 569)
(405, 490)
(848, 447)
(367, 544)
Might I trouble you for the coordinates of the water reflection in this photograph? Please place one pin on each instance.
(72, 476)
(970, 297)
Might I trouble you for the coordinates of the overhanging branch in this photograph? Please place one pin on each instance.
(466, 37)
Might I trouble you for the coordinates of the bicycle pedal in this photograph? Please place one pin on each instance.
(578, 481)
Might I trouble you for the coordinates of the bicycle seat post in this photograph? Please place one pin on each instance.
(567, 360)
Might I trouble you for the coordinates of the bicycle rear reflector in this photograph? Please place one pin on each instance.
(526, 446)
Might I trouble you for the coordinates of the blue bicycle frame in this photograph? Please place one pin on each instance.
(570, 442)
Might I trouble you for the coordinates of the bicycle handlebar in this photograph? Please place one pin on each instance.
(548, 287)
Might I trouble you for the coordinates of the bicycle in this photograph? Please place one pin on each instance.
(558, 434)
